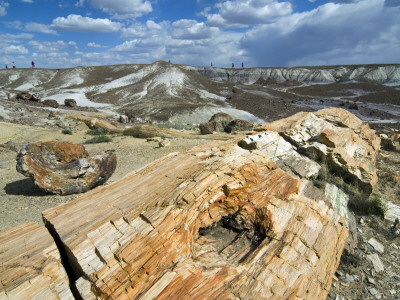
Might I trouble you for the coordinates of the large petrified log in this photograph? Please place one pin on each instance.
(336, 137)
(65, 168)
(217, 222)
(30, 265)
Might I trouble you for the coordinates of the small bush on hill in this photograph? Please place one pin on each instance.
(66, 131)
(99, 139)
(96, 131)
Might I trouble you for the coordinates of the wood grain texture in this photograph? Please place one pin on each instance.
(216, 222)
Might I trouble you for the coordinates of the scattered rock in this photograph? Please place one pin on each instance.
(376, 245)
(221, 117)
(371, 280)
(35, 97)
(376, 262)
(51, 103)
(70, 102)
(64, 168)
(210, 127)
(238, 125)
(24, 96)
(123, 119)
(53, 114)
(164, 143)
(392, 212)
(154, 139)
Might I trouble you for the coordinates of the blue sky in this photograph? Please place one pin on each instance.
(69, 33)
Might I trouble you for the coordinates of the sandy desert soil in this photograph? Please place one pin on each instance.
(21, 201)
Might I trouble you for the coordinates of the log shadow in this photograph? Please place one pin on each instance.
(24, 187)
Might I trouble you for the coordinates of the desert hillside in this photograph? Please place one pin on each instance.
(168, 93)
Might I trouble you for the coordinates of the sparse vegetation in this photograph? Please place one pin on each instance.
(99, 139)
(96, 131)
(66, 131)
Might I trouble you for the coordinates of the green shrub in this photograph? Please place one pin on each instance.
(96, 131)
(66, 131)
(1, 118)
(99, 139)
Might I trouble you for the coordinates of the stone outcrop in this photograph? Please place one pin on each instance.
(31, 266)
(70, 102)
(64, 168)
(238, 125)
(51, 102)
(210, 127)
(221, 117)
(239, 219)
(217, 123)
(336, 138)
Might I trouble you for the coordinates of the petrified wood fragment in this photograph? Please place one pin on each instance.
(65, 168)
(217, 222)
(30, 265)
(337, 137)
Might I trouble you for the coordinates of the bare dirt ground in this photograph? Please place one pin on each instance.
(21, 201)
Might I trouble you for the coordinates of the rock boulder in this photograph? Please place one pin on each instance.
(336, 138)
(51, 102)
(238, 125)
(64, 168)
(70, 102)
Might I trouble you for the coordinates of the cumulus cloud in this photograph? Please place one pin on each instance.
(85, 24)
(36, 27)
(3, 8)
(331, 33)
(94, 45)
(46, 46)
(148, 29)
(14, 50)
(122, 9)
(240, 13)
(192, 30)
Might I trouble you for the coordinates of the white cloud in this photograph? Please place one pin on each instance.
(148, 29)
(3, 8)
(80, 3)
(94, 45)
(14, 50)
(332, 33)
(122, 9)
(192, 30)
(27, 1)
(36, 27)
(7, 38)
(85, 24)
(239, 13)
(46, 46)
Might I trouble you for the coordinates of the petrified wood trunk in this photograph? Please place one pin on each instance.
(217, 222)
(30, 265)
(65, 168)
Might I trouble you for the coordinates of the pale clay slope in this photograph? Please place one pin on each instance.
(134, 85)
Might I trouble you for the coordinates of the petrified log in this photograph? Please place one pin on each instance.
(139, 131)
(336, 137)
(217, 222)
(30, 265)
(65, 168)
